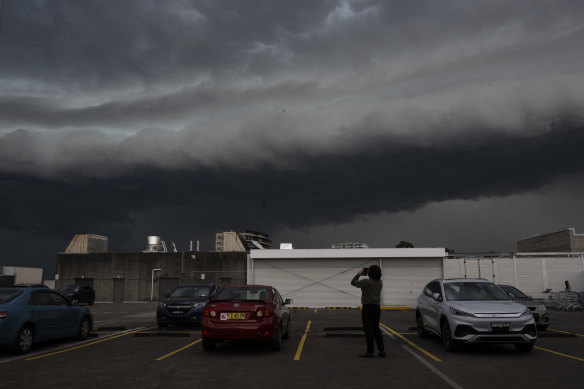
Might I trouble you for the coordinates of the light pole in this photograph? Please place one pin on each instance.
(152, 288)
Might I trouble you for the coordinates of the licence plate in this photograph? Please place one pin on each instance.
(500, 327)
(236, 316)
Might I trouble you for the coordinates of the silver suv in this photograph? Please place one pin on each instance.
(474, 310)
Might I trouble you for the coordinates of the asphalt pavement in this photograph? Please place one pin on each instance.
(127, 349)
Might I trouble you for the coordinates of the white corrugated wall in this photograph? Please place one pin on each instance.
(530, 274)
(325, 282)
(404, 279)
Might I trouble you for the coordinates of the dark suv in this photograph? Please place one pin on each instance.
(81, 294)
(537, 307)
(185, 305)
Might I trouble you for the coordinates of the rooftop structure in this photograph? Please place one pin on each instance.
(564, 241)
(87, 243)
(243, 240)
(349, 246)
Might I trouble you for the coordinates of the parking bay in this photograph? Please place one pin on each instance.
(128, 349)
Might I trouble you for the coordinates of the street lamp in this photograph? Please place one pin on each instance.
(152, 288)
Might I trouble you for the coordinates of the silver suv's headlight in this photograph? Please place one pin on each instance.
(458, 312)
(541, 309)
(527, 312)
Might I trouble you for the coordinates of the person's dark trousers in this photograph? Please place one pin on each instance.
(370, 316)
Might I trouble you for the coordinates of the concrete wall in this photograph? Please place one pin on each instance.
(556, 242)
(100, 270)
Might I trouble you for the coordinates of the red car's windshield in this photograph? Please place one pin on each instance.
(243, 293)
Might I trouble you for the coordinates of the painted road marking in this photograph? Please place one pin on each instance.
(565, 332)
(560, 354)
(433, 369)
(411, 343)
(89, 344)
(99, 323)
(301, 345)
(443, 376)
(179, 350)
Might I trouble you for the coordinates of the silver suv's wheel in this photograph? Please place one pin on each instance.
(422, 333)
(447, 341)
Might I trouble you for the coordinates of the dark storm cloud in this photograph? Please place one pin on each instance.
(321, 190)
(126, 118)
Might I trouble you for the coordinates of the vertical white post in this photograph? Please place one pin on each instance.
(515, 268)
(544, 273)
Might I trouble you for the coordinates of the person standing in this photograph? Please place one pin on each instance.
(371, 312)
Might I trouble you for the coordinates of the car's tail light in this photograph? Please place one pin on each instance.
(210, 312)
(3, 315)
(264, 312)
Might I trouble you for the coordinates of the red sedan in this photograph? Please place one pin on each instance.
(246, 312)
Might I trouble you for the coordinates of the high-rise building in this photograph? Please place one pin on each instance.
(243, 240)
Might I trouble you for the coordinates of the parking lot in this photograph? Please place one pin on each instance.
(127, 349)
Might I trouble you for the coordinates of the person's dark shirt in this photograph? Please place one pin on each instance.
(370, 289)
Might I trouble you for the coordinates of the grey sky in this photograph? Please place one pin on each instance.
(315, 121)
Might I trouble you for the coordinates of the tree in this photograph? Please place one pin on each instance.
(404, 244)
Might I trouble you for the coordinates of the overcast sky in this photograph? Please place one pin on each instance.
(455, 124)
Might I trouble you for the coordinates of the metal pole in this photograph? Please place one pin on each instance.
(152, 288)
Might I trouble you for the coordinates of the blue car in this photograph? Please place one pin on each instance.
(185, 305)
(30, 315)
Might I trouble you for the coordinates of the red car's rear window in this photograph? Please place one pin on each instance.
(243, 293)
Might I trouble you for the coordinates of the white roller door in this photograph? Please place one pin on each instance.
(404, 279)
(314, 283)
(319, 278)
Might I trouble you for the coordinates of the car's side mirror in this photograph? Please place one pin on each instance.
(511, 295)
(167, 295)
(437, 296)
(288, 301)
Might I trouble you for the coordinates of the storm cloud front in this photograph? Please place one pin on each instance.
(449, 124)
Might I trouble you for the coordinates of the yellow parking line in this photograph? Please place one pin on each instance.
(179, 350)
(301, 345)
(560, 354)
(411, 343)
(564, 332)
(88, 344)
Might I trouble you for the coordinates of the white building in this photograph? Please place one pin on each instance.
(320, 278)
(21, 275)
